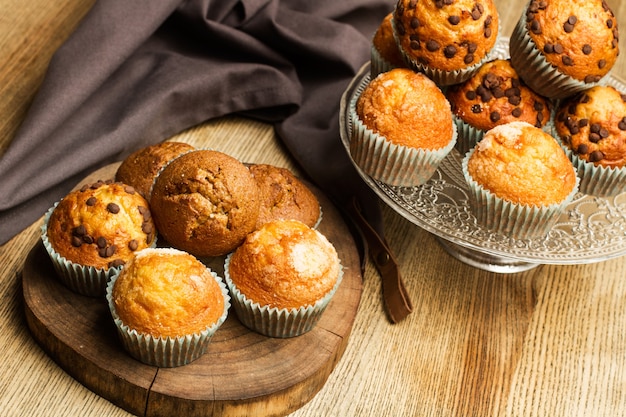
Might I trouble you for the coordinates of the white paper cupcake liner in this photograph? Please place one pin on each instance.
(81, 279)
(277, 322)
(378, 64)
(165, 352)
(531, 65)
(387, 162)
(598, 180)
(517, 221)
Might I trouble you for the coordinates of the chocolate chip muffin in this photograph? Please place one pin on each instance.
(402, 127)
(520, 180)
(446, 39)
(592, 127)
(93, 231)
(205, 202)
(493, 96)
(284, 196)
(560, 47)
(141, 167)
(385, 54)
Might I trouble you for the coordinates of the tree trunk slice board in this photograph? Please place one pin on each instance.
(243, 373)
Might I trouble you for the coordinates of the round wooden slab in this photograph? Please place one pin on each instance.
(242, 374)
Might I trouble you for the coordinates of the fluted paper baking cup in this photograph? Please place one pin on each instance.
(378, 64)
(531, 65)
(165, 352)
(598, 180)
(81, 279)
(390, 163)
(273, 321)
(514, 220)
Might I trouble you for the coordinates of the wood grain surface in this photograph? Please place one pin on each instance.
(546, 342)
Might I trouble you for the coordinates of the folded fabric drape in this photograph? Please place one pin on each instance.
(135, 73)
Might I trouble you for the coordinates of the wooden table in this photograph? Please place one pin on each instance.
(546, 342)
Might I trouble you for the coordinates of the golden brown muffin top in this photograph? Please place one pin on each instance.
(522, 164)
(167, 292)
(101, 225)
(579, 37)
(283, 196)
(593, 124)
(446, 34)
(385, 43)
(285, 264)
(407, 108)
(205, 202)
(496, 95)
(140, 167)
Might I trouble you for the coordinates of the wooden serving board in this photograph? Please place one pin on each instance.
(242, 374)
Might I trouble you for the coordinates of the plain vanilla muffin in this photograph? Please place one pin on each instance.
(445, 39)
(205, 202)
(141, 167)
(520, 179)
(592, 127)
(94, 230)
(560, 47)
(282, 277)
(284, 196)
(401, 127)
(494, 95)
(165, 300)
(385, 53)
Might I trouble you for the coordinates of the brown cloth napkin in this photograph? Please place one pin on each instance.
(137, 72)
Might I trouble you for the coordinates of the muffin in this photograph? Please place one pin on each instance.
(592, 128)
(95, 230)
(520, 180)
(205, 202)
(493, 96)
(447, 40)
(401, 127)
(561, 47)
(166, 305)
(282, 278)
(283, 196)
(141, 167)
(385, 54)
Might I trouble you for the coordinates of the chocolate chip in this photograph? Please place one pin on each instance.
(468, 59)
(583, 122)
(415, 45)
(567, 60)
(515, 100)
(572, 20)
(116, 263)
(146, 227)
(497, 92)
(587, 49)
(454, 20)
(494, 116)
(113, 208)
(415, 23)
(604, 133)
(595, 128)
(133, 245)
(477, 12)
(596, 156)
(470, 94)
(88, 239)
(571, 109)
(487, 32)
(101, 242)
(548, 48)
(76, 241)
(517, 112)
(110, 251)
(484, 94)
(582, 149)
(594, 137)
(609, 23)
(574, 129)
(585, 98)
(568, 27)
(540, 117)
(79, 231)
(129, 189)
(535, 27)
(488, 21)
(491, 80)
(538, 106)
(591, 78)
(472, 47)
(601, 63)
(558, 48)
(145, 212)
(476, 108)
(449, 51)
(91, 201)
(622, 124)
(432, 45)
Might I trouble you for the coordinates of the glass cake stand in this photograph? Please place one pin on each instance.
(592, 229)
